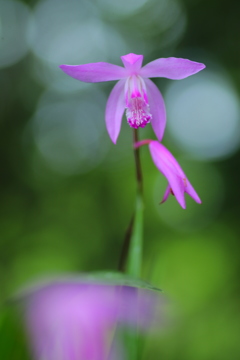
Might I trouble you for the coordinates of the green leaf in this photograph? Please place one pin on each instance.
(101, 277)
(134, 260)
(12, 338)
(117, 278)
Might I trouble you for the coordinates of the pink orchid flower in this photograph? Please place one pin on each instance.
(178, 183)
(75, 320)
(134, 91)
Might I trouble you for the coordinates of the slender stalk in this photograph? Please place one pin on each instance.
(125, 247)
(134, 260)
(139, 176)
(131, 255)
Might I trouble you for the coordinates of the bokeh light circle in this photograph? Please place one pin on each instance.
(70, 133)
(123, 7)
(72, 34)
(15, 31)
(204, 116)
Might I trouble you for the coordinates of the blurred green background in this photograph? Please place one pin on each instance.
(67, 193)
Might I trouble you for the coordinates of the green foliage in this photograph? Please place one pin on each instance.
(116, 278)
(12, 341)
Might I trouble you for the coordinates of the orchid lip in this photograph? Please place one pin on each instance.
(137, 107)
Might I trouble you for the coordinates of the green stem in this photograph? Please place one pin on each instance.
(131, 256)
(126, 245)
(134, 260)
(139, 176)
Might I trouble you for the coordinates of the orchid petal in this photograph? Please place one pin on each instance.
(132, 63)
(157, 109)
(114, 110)
(160, 159)
(73, 319)
(166, 194)
(177, 187)
(171, 68)
(191, 192)
(175, 182)
(169, 160)
(95, 72)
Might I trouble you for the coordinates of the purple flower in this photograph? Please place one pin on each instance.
(72, 320)
(178, 183)
(134, 91)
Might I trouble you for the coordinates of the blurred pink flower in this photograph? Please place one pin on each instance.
(178, 183)
(70, 320)
(134, 91)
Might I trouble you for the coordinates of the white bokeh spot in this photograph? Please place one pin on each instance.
(203, 115)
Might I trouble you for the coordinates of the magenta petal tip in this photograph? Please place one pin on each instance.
(132, 62)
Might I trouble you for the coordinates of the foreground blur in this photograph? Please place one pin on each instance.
(72, 319)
